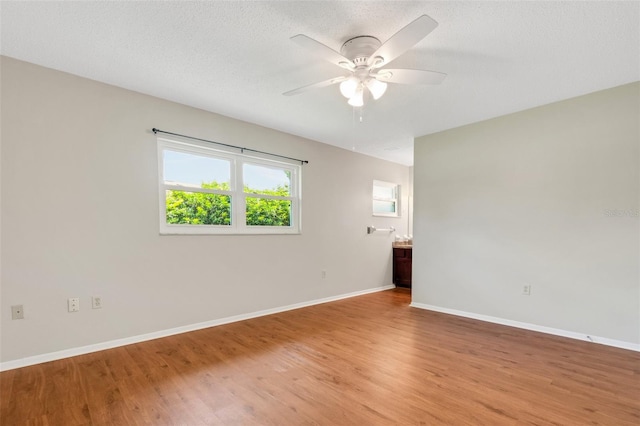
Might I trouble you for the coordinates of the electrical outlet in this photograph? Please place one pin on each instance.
(323, 274)
(73, 304)
(526, 290)
(17, 312)
(96, 302)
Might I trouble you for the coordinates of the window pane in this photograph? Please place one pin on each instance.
(384, 192)
(267, 212)
(266, 180)
(384, 206)
(198, 208)
(196, 170)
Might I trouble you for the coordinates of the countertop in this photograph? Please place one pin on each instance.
(401, 245)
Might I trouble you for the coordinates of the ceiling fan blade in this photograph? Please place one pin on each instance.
(403, 40)
(318, 85)
(405, 76)
(323, 51)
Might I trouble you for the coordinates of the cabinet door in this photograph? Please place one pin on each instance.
(402, 267)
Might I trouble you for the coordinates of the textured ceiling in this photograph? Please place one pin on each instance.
(236, 59)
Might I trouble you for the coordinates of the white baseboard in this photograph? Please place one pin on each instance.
(533, 327)
(52, 356)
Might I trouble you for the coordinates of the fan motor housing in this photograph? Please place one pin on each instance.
(360, 48)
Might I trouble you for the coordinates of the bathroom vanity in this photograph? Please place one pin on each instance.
(402, 254)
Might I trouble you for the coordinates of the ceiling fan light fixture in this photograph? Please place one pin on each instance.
(364, 56)
(349, 87)
(377, 88)
(357, 100)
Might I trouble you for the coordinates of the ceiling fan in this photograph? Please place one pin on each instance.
(364, 56)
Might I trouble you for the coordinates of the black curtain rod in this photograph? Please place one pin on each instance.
(154, 130)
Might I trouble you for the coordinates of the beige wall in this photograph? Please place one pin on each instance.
(547, 197)
(80, 218)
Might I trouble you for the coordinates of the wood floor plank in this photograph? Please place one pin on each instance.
(370, 360)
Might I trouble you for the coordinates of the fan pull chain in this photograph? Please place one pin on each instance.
(353, 124)
(353, 128)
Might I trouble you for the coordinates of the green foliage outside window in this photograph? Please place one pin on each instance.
(197, 208)
(268, 212)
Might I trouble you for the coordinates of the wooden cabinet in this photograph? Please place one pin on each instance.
(402, 266)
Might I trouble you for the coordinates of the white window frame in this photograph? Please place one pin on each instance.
(236, 192)
(395, 200)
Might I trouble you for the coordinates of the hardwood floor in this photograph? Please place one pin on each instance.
(369, 360)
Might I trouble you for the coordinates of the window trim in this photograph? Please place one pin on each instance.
(395, 200)
(238, 196)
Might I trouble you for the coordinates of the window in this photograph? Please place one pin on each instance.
(209, 191)
(385, 199)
